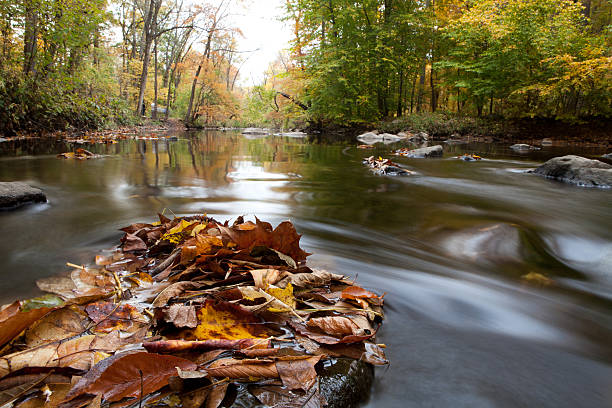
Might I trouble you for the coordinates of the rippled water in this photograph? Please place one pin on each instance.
(448, 245)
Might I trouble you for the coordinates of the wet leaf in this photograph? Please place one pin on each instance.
(123, 375)
(109, 316)
(334, 325)
(537, 279)
(356, 292)
(279, 397)
(223, 320)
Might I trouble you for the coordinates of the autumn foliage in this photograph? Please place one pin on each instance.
(180, 310)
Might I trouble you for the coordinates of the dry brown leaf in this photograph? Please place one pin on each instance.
(13, 320)
(131, 242)
(175, 346)
(327, 339)
(279, 397)
(78, 353)
(249, 368)
(57, 325)
(334, 325)
(266, 277)
(181, 316)
(123, 375)
(172, 291)
(309, 280)
(298, 373)
(216, 396)
(283, 238)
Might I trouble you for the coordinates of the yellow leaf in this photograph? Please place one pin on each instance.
(284, 295)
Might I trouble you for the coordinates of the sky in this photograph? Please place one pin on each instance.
(259, 22)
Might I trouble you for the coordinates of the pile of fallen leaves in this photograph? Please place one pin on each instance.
(470, 157)
(80, 154)
(385, 167)
(183, 311)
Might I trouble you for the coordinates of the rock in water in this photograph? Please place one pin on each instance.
(424, 152)
(607, 156)
(577, 170)
(522, 147)
(16, 194)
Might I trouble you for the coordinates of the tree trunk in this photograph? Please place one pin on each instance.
(154, 111)
(30, 36)
(148, 34)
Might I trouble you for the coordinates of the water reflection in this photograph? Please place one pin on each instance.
(449, 245)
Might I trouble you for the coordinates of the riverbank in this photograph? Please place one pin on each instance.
(445, 126)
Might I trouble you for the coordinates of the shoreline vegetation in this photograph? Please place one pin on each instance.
(484, 67)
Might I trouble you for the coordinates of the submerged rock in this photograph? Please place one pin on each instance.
(607, 156)
(16, 194)
(422, 153)
(577, 170)
(345, 382)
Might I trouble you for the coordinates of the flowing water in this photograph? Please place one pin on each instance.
(448, 245)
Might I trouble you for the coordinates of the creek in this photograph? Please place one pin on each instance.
(448, 245)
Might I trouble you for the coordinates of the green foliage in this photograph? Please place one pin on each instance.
(364, 61)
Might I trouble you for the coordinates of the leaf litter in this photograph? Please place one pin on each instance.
(179, 311)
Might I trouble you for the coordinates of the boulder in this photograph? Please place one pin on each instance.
(256, 131)
(607, 156)
(371, 138)
(16, 194)
(522, 147)
(345, 383)
(546, 142)
(291, 134)
(422, 153)
(577, 170)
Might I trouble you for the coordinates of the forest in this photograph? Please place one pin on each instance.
(74, 64)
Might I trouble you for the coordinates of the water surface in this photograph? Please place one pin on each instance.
(449, 245)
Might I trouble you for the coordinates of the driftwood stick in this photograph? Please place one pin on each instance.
(167, 262)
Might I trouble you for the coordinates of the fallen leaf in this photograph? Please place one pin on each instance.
(325, 338)
(223, 320)
(181, 316)
(78, 353)
(248, 368)
(123, 375)
(57, 325)
(216, 396)
(309, 280)
(283, 238)
(109, 316)
(172, 291)
(537, 279)
(334, 325)
(132, 243)
(175, 346)
(298, 373)
(17, 316)
(279, 397)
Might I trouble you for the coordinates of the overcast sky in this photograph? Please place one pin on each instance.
(259, 22)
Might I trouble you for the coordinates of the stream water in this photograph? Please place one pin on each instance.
(449, 246)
